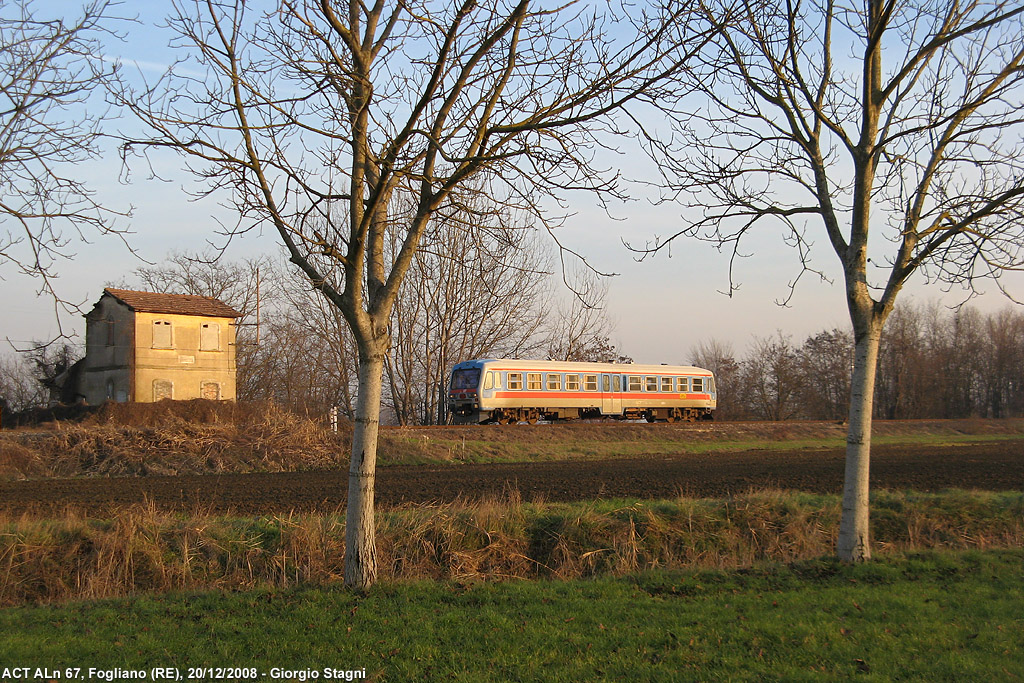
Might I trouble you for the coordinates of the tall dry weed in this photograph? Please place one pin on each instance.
(175, 441)
(142, 549)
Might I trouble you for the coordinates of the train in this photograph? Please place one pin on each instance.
(506, 391)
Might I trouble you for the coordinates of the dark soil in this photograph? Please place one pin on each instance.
(992, 466)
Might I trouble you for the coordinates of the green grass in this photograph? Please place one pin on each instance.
(928, 616)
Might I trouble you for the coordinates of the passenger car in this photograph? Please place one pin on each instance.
(506, 391)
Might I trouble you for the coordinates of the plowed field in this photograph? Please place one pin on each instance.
(993, 466)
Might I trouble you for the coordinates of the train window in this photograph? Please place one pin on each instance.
(683, 385)
(636, 383)
(515, 381)
(497, 380)
(618, 383)
(711, 384)
(698, 385)
(590, 382)
(467, 378)
(572, 382)
(652, 384)
(554, 382)
(533, 382)
(666, 384)
(606, 384)
(489, 380)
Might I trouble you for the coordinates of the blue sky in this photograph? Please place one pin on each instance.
(661, 307)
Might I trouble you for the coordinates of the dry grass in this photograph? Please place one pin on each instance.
(207, 437)
(179, 437)
(142, 549)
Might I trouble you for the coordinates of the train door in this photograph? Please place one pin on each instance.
(606, 394)
(611, 400)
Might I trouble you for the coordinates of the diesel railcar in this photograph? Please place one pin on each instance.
(507, 391)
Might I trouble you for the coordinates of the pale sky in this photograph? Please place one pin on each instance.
(661, 307)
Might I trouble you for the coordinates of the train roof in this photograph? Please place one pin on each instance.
(566, 366)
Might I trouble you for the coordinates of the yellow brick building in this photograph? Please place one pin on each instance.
(146, 346)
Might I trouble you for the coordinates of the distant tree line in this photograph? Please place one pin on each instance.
(933, 363)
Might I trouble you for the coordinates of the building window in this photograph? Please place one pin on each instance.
(572, 382)
(110, 389)
(683, 385)
(652, 384)
(635, 383)
(209, 337)
(666, 384)
(515, 381)
(210, 391)
(590, 382)
(162, 335)
(162, 388)
(698, 385)
(554, 382)
(533, 382)
(110, 332)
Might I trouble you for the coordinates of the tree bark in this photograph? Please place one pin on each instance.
(854, 543)
(360, 543)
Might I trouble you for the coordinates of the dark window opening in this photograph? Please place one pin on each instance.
(466, 378)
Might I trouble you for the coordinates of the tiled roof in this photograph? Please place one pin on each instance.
(181, 304)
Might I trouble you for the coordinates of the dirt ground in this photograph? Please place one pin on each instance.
(992, 466)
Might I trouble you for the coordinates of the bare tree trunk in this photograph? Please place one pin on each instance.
(853, 545)
(360, 544)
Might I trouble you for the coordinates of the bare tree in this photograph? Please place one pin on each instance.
(307, 352)
(305, 361)
(51, 66)
(937, 363)
(771, 379)
(826, 362)
(578, 324)
(901, 355)
(954, 343)
(50, 365)
(321, 109)
(20, 388)
(1002, 363)
(236, 283)
(475, 289)
(718, 357)
(894, 119)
